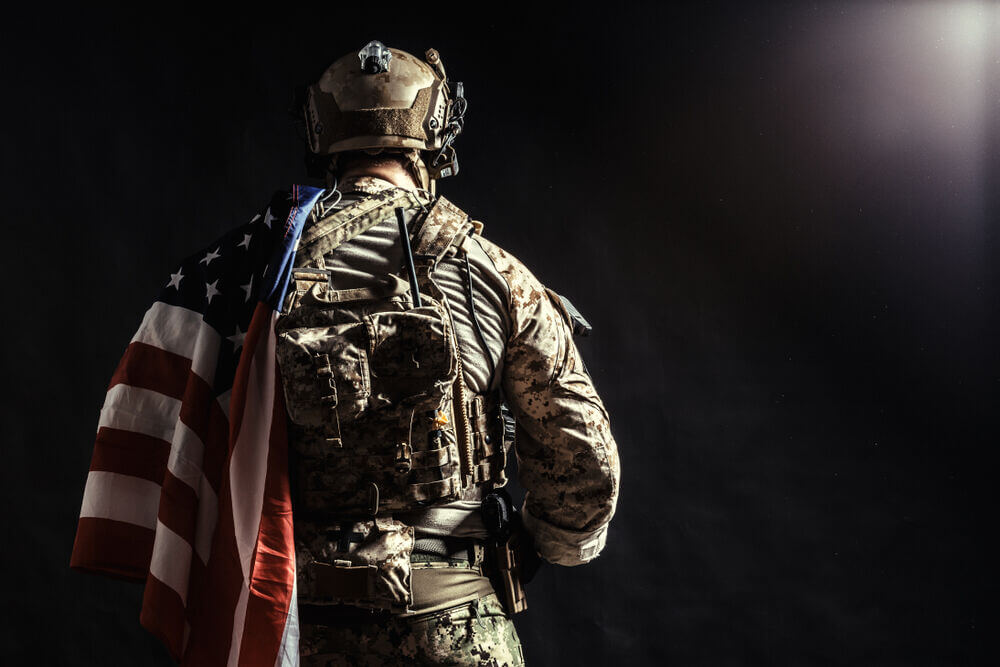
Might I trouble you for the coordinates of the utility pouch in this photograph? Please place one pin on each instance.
(325, 372)
(370, 357)
(414, 359)
(360, 563)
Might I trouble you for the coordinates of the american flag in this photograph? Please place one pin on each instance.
(188, 485)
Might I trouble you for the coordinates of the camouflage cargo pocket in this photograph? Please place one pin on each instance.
(413, 356)
(324, 370)
(361, 563)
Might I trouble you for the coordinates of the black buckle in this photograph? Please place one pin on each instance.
(404, 459)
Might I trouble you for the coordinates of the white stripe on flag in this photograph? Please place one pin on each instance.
(125, 498)
(223, 400)
(248, 466)
(186, 448)
(186, 456)
(208, 515)
(186, 464)
(171, 561)
(128, 408)
(184, 332)
(288, 651)
(239, 620)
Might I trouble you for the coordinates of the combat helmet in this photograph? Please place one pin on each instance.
(383, 99)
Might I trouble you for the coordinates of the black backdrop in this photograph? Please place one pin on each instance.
(780, 219)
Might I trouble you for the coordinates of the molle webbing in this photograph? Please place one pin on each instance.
(423, 492)
(487, 444)
(329, 233)
(383, 443)
(305, 279)
(404, 466)
(446, 226)
(431, 458)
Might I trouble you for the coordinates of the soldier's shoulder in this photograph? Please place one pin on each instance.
(503, 260)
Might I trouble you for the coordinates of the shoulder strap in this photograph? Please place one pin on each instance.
(445, 226)
(351, 221)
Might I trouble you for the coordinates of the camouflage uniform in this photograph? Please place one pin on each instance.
(476, 633)
(567, 458)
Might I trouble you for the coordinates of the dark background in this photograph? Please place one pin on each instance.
(781, 219)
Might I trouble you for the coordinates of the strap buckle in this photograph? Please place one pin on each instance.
(404, 457)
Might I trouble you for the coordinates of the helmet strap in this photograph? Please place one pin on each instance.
(418, 169)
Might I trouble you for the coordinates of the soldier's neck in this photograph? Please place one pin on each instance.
(392, 173)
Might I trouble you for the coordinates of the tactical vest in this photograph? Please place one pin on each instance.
(381, 419)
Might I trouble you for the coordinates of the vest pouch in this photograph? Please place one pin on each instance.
(324, 369)
(360, 563)
(414, 361)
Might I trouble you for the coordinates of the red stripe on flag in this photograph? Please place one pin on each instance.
(196, 585)
(130, 453)
(112, 547)
(150, 367)
(259, 326)
(163, 614)
(273, 573)
(203, 415)
(212, 617)
(178, 508)
(212, 621)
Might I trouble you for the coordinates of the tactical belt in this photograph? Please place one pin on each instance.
(437, 584)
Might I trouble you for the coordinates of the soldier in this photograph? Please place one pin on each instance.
(412, 354)
(407, 550)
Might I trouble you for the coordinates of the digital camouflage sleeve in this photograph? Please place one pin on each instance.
(567, 459)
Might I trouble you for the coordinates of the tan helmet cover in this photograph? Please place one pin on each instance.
(404, 107)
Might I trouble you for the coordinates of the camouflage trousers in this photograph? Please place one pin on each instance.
(475, 633)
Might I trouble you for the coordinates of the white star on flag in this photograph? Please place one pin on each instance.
(255, 218)
(268, 218)
(175, 279)
(245, 243)
(211, 290)
(207, 259)
(247, 288)
(237, 338)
